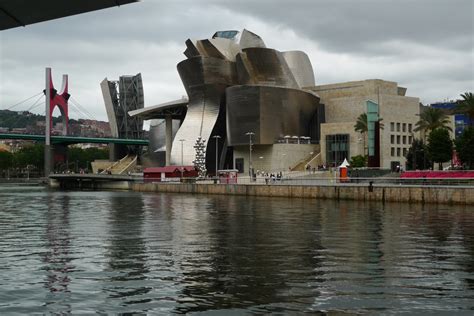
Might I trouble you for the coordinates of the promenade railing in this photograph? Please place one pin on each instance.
(330, 181)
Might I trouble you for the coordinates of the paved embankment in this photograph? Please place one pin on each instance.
(385, 193)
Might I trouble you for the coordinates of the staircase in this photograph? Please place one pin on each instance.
(311, 160)
(124, 165)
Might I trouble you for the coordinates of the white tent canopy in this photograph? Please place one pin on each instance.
(344, 164)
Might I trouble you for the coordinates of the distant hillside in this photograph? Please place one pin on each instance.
(23, 119)
(34, 124)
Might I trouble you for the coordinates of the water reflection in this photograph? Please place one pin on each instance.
(126, 251)
(246, 258)
(57, 258)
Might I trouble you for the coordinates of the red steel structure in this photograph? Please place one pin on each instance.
(57, 99)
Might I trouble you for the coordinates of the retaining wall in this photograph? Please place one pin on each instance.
(412, 194)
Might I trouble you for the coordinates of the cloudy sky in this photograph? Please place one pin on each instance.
(424, 45)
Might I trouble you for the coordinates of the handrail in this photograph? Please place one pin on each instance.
(309, 162)
(134, 160)
(114, 165)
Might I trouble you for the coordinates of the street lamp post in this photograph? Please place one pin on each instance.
(216, 137)
(182, 163)
(250, 134)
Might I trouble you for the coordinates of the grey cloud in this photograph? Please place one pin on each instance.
(358, 26)
(425, 45)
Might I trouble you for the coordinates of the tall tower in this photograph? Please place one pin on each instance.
(120, 97)
(53, 99)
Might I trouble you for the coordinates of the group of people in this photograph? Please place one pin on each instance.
(273, 177)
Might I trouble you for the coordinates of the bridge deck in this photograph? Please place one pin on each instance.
(94, 177)
(75, 140)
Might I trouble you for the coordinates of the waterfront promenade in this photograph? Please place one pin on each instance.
(454, 194)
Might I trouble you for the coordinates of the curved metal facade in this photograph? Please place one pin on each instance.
(205, 80)
(269, 112)
(236, 85)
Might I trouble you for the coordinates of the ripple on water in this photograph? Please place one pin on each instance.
(111, 252)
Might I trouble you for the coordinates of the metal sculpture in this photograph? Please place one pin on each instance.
(200, 160)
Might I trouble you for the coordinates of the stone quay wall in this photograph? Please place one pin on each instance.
(409, 194)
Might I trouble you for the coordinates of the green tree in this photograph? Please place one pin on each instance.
(6, 160)
(440, 146)
(465, 147)
(466, 106)
(83, 157)
(418, 156)
(362, 126)
(431, 119)
(30, 155)
(358, 161)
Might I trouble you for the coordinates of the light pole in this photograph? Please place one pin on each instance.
(250, 134)
(216, 137)
(182, 142)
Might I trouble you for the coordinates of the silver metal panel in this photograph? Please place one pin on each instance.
(228, 48)
(205, 80)
(191, 49)
(301, 67)
(269, 112)
(249, 39)
(157, 137)
(264, 66)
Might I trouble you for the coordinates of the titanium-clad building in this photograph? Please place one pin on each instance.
(236, 86)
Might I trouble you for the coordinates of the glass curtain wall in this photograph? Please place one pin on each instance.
(337, 149)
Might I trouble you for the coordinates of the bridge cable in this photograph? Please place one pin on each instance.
(83, 108)
(80, 112)
(12, 106)
(34, 105)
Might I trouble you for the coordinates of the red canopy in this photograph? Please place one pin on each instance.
(438, 174)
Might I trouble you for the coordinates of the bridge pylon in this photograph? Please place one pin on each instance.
(54, 99)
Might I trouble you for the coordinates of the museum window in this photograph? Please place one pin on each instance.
(337, 148)
(392, 139)
(392, 151)
(239, 164)
(404, 152)
(410, 139)
(409, 127)
(398, 139)
(398, 127)
(398, 151)
(404, 140)
(392, 127)
(404, 127)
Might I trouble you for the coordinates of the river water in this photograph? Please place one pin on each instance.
(119, 252)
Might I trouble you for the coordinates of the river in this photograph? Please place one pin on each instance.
(118, 252)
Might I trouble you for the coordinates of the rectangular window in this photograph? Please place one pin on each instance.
(410, 139)
(392, 127)
(398, 127)
(404, 152)
(404, 127)
(404, 140)
(392, 139)
(398, 152)
(239, 164)
(398, 139)
(409, 127)
(392, 151)
(337, 148)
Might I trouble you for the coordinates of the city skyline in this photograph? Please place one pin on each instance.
(426, 46)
